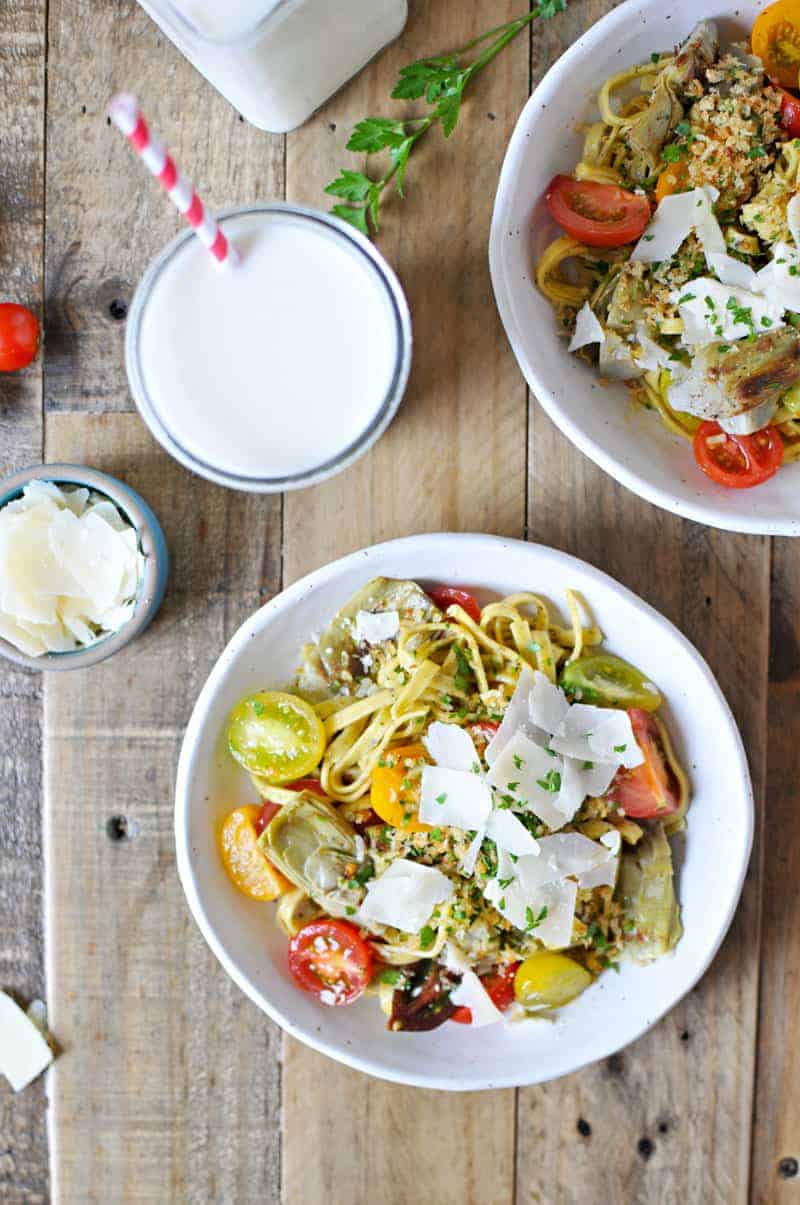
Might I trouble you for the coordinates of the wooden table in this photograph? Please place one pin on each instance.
(171, 1086)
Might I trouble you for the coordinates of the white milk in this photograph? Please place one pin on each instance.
(276, 367)
(277, 61)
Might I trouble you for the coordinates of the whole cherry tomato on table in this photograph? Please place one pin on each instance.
(19, 336)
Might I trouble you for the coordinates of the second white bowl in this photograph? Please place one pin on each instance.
(712, 858)
(621, 437)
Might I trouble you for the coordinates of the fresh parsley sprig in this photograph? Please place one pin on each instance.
(440, 82)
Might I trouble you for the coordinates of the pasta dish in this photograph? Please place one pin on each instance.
(464, 810)
(678, 269)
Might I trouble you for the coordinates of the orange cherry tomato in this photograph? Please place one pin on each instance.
(331, 959)
(776, 41)
(500, 986)
(247, 865)
(599, 215)
(395, 788)
(650, 790)
(674, 178)
(446, 596)
(19, 336)
(738, 461)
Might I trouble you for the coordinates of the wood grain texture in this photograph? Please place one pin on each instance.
(23, 1141)
(106, 216)
(776, 1130)
(168, 1088)
(429, 472)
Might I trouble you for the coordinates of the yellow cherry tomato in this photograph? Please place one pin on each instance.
(247, 865)
(674, 178)
(549, 980)
(394, 795)
(776, 41)
(277, 736)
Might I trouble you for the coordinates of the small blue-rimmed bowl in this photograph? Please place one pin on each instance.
(152, 545)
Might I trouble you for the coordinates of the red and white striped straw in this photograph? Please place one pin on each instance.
(124, 111)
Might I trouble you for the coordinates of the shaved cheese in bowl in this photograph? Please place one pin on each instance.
(70, 566)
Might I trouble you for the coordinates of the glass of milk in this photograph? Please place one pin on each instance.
(277, 61)
(277, 372)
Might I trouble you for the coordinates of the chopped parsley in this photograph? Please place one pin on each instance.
(531, 921)
(551, 782)
(440, 799)
(620, 748)
(518, 762)
(427, 936)
(390, 975)
(464, 669)
(258, 706)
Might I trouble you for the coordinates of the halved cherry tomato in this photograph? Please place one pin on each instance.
(277, 736)
(776, 41)
(674, 178)
(19, 336)
(738, 461)
(790, 113)
(331, 959)
(247, 865)
(608, 680)
(500, 987)
(599, 215)
(446, 596)
(395, 788)
(650, 790)
(268, 810)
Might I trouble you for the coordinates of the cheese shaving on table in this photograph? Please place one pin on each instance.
(674, 220)
(24, 1053)
(404, 896)
(587, 329)
(376, 627)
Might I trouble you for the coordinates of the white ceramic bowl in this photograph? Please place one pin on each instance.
(624, 439)
(616, 1009)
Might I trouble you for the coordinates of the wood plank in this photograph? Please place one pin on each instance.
(453, 459)
(106, 221)
(23, 1140)
(168, 1087)
(776, 1148)
(670, 1116)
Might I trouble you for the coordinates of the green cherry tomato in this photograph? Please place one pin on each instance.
(278, 736)
(608, 681)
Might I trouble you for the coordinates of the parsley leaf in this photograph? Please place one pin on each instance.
(427, 936)
(438, 82)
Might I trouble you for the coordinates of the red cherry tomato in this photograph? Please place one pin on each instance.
(19, 336)
(331, 959)
(269, 809)
(599, 215)
(651, 790)
(790, 113)
(738, 461)
(446, 596)
(500, 986)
